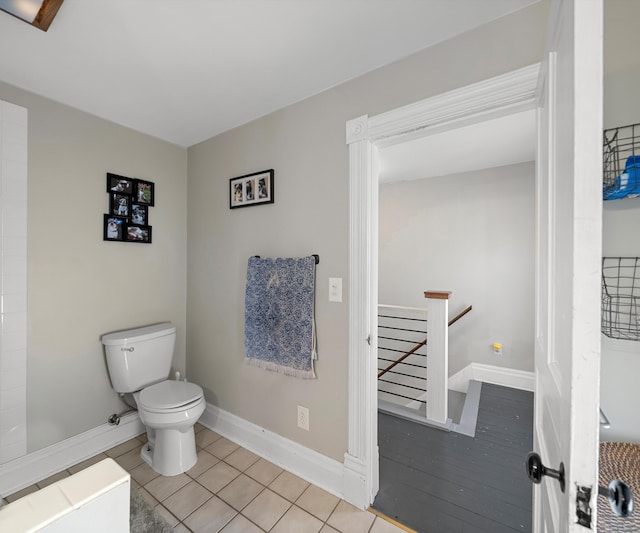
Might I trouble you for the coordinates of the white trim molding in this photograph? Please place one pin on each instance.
(503, 95)
(13, 280)
(310, 465)
(498, 375)
(29, 469)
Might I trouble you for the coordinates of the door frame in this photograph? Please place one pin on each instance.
(496, 97)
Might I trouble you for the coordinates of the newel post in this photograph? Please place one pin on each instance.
(437, 355)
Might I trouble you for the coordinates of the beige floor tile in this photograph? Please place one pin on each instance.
(164, 486)
(241, 459)
(146, 496)
(382, 526)
(346, 517)
(318, 502)
(186, 500)
(289, 486)
(84, 464)
(222, 447)
(205, 461)
(328, 529)
(206, 437)
(125, 447)
(23, 492)
(263, 471)
(129, 460)
(211, 517)
(266, 509)
(52, 479)
(241, 525)
(142, 438)
(218, 477)
(198, 427)
(181, 528)
(240, 492)
(296, 520)
(164, 513)
(143, 473)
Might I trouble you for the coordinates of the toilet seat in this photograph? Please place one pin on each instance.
(170, 396)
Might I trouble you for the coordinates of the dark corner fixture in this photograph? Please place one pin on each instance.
(38, 13)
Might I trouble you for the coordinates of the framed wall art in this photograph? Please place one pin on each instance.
(251, 189)
(119, 184)
(135, 233)
(143, 192)
(129, 202)
(114, 228)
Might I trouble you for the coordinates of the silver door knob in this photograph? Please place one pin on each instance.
(620, 497)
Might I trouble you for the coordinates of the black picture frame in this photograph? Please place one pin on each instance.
(114, 228)
(128, 216)
(138, 234)
(252, 189)
(143, 192)
(119, 184)
(119, 205)
(139, 214)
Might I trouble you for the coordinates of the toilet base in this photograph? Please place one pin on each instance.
(172, 453)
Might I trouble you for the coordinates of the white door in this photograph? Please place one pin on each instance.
(569, 228)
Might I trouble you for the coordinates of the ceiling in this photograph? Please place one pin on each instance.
(186, 70)
(493, 143)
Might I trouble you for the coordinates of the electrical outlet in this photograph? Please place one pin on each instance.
(303, 417)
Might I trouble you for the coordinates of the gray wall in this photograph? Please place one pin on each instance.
(80, 286)
(305, 144)
(621, 218)
(472, 234)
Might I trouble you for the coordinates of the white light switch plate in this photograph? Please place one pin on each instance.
(335, 289)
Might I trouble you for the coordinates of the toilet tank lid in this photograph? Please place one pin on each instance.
(138, 334)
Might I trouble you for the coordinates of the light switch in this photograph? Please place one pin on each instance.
(335, 289)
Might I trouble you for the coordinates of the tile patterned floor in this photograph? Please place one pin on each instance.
(232, 490)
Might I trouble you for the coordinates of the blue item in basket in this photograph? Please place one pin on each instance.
(627, 184)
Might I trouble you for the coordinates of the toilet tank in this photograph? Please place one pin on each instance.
(137, 358)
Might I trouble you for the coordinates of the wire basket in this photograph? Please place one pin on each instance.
(621, 162)
(621, 297)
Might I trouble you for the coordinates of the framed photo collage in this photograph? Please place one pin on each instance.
(129, 202)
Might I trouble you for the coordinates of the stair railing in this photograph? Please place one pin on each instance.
(434, 394)
(421, 343)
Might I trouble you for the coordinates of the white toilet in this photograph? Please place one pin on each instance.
(139, 362)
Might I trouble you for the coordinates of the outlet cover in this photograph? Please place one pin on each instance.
(303, 418)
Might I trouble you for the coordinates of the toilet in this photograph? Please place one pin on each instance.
(139, 362)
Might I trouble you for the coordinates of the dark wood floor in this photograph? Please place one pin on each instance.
(439, 482)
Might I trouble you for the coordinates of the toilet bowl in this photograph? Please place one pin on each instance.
(139, 361)
(169, 410)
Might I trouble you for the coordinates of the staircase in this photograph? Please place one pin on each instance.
(413, 363)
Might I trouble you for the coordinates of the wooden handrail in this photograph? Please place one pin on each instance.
(422, 343)
(397, 362)
(460, 315)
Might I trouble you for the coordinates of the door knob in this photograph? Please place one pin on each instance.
(620, 497)
(536, 470)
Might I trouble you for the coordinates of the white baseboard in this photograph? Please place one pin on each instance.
(31, 468)
(322, 471)
(318, 469)
(508, 377)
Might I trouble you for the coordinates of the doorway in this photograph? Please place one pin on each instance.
(366, 136)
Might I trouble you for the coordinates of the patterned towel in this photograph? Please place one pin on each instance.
(279, 315)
